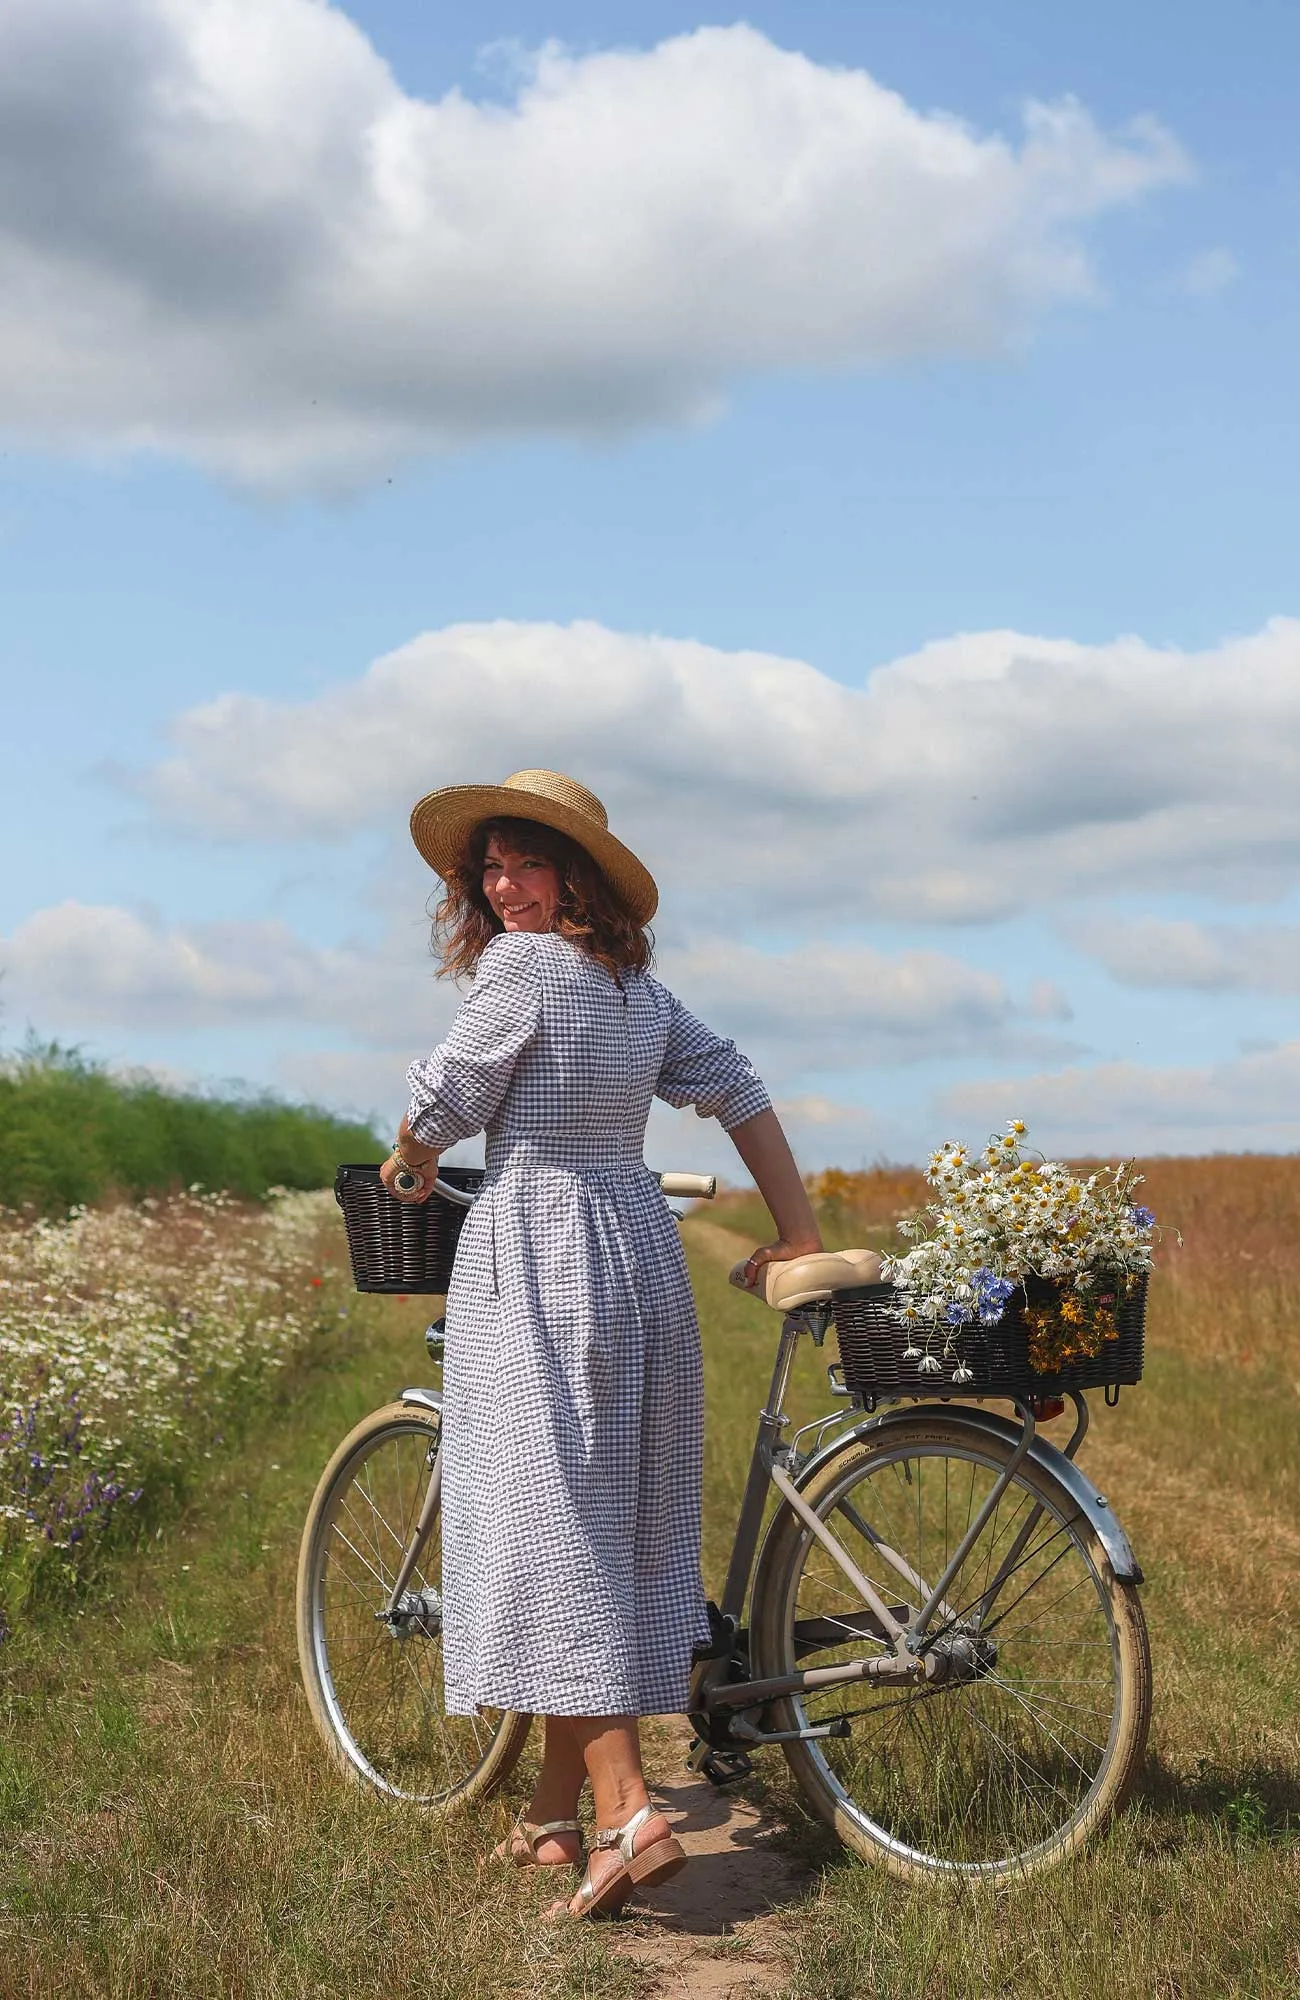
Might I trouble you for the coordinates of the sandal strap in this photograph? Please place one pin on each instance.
(535, 1830)
(586, 1892)
(623, 1837)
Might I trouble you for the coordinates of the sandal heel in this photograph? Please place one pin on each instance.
(635, 1871)
(656, 1864)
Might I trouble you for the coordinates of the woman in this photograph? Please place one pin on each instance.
(572, 1391)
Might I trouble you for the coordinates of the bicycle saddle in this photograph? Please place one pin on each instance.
(810, 1281)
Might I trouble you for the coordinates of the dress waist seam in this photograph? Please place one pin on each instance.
(555, 1160)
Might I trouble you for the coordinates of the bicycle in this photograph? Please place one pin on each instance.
(957, 1671)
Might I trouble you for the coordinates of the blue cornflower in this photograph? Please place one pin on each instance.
(958, 1315)
(1144, 1217)
(992, 1294)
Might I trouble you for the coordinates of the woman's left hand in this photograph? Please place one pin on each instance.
(779, 1252)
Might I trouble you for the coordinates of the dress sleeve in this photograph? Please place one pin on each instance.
(703, 1069)
(456, 1090)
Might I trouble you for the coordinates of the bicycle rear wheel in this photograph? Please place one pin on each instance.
(1028, 1734)
(374, 1685)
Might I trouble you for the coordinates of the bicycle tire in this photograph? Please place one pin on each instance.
(907, 1743)
(381, 1715)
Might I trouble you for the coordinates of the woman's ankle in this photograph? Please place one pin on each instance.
(545, 1808)
(615, 1810)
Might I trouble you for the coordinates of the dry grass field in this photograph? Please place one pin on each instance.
(171, 1827)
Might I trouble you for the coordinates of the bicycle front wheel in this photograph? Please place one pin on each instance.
(373, 1681)
(1031, 1722)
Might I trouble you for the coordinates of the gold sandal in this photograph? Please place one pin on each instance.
(638, 1871)
(533, 1832)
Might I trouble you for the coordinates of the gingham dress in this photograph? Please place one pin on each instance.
(573, 1413)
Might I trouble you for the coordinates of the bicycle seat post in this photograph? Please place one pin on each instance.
(772, 1421)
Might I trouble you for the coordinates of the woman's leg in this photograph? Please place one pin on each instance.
(611, 1748)
(556, 1793)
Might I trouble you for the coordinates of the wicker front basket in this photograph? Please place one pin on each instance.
(400, 1246)
(872, 1343)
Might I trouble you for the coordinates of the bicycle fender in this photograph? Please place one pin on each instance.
(427, 1399)
(1093, 1505)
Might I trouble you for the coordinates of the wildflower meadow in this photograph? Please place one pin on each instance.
(131, 1339)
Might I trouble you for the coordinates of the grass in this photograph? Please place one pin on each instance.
(171, 1826)
(70, 1133)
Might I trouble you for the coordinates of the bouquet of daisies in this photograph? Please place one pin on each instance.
(1003, 1216)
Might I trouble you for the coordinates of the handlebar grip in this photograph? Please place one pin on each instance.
(695, 1187)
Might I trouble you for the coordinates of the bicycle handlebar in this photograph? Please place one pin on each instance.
(458, 1197)
(698, 1187)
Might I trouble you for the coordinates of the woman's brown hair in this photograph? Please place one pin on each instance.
(590, 913)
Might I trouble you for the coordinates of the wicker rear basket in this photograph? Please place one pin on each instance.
(400, 1246)
(872, 1343)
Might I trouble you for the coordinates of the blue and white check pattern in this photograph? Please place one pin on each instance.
(573, 1397)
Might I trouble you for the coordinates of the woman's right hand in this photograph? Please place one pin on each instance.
(425, 1175)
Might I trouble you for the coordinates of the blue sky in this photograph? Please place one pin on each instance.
(1055, 403)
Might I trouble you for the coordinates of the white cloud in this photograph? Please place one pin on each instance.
(1215, 957)
(227, 233)
(1210, 272)
(1046, 1002)
(85, 966)
(1251, 1102)
(77, 966)
(989, 773)
(831, 1006)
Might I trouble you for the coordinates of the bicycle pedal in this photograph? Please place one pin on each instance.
(720, 1767)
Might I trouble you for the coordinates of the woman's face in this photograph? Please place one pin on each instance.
(522, 890)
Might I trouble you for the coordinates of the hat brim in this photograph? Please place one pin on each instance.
(442, 823)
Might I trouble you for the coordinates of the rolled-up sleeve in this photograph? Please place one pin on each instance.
(456, 1090)
(705, 1070)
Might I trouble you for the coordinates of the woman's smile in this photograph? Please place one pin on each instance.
(522, 890)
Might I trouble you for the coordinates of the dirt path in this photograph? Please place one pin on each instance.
(723, 1244)
(713, 1932)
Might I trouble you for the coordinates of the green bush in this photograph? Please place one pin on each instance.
(70, 1133)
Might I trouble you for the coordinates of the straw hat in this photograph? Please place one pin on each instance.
(442, 822)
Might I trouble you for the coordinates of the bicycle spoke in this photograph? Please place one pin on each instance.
(363, 1560)
(997, 1681)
